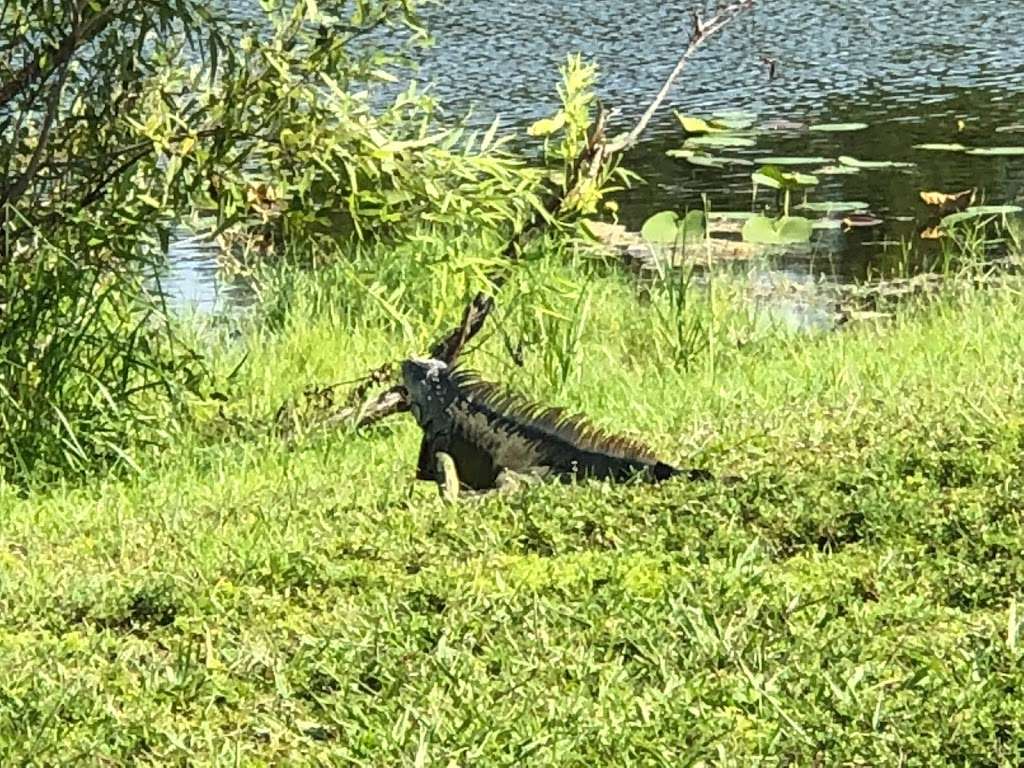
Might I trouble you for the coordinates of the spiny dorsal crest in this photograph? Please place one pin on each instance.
(573, 428)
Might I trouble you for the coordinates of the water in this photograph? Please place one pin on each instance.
(909, 70)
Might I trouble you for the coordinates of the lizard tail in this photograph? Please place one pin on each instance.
(663, 471)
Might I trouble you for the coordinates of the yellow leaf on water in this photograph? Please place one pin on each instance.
(947, 198)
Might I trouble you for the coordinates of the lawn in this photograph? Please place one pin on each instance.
(850, 599)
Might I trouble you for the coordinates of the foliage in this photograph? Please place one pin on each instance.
(287, 132)
(116, 121)
(850, 599)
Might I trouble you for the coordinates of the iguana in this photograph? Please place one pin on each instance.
(493, 437)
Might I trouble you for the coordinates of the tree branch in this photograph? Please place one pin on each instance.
(55, 56)
(590, 161)
(702, 32)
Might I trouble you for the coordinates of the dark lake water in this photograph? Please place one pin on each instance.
(914, 72)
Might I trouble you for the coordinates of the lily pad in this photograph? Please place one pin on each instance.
(997, 151)
(831, 206)
(826, 224)
(730, 123)
(941, 147)
(775, 178)
(667, 228)
(707, 161)
(661, 227)
(838, 127)
(866, 165)
(861, 220)
(696, 124)
(793, 160)
(719, 140)
(836, 170)
(782, 231)
(978, 211)
(703, 159)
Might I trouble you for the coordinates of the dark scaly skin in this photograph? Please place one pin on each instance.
(489, 434)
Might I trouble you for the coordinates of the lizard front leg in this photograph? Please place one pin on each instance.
(447, 476)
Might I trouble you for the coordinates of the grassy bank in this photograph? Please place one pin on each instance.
(852, 600)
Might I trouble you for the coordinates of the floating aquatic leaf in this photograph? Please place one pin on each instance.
(661, 227)
(941, 147)
(781, 124)
(947, 200)
(782, 231)
(861, 220)
(793, 160)
(835, 170)
(831, 206)
(839, 127)
(707, 161)
(775, 178)
(719, 140)
(978, 211)
(695, 124)
(1015, 128)
(732, 123)
(547, 125)
(997, 151)
(702, 159)
(872, 164)
(826, 224)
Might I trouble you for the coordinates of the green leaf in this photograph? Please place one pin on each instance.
(826, 224)
(692, 226)
(547, 125)
(997, 151)
(783, 231)
(831, 206)
(978, 211)
(732, 123)
(662, 227)
(872, 164)
(768, 176)
(719, 140)
(793, 160)
(776, 178)
(838, 127)
(666, 227)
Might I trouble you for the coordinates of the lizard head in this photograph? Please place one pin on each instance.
(430, 387)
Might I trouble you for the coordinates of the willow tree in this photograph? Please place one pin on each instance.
(120, 119)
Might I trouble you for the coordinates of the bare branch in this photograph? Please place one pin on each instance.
(702, 32)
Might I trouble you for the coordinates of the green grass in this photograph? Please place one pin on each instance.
(850, 601)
